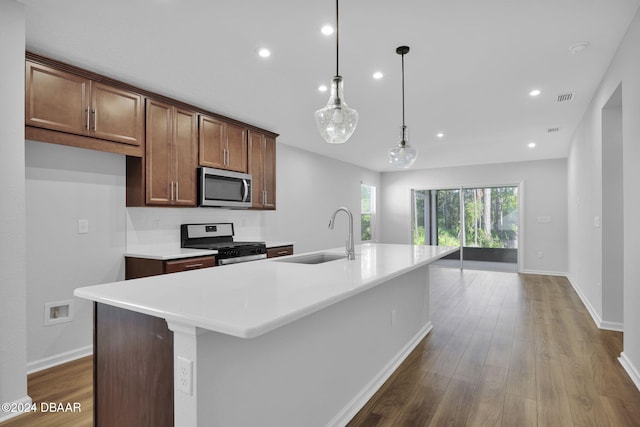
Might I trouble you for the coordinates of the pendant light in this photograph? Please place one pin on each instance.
(403, 155)
(336, 121)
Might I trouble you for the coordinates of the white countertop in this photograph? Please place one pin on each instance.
(168, 252)
(250, 299)
(275, 244)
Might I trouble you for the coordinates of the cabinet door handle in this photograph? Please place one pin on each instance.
(177, 189)
(88, 126)
(95, 119)
(171, 189)
(283, 252)
(193, 265)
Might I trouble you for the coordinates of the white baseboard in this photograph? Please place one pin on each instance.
(592, 311)
(631, 370)
(58, 359)
(611, 326)
(544, 273)
(357, 403)
(601, 324)
(23, 402)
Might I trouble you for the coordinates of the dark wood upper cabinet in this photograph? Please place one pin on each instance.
(56, 99)
(262, 167)
(117, 114)
(66, 102)
(171, 155)
(165, 140)
(223, 145)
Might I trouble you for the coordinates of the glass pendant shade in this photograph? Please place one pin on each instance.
(336, 122)
(403, 156)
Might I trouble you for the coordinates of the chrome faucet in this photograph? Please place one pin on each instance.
(350, 249)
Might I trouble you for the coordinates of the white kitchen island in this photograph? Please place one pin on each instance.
(277, 343)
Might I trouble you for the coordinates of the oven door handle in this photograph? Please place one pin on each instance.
(236, 260)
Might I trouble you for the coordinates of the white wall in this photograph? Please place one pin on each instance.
(544, 194)
(309, 188)
(64, 185)
(585, 194)
(13, 345)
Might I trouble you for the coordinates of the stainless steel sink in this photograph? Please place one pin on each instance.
(318, 258)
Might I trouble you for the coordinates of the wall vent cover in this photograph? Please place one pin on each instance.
(565, 97)
(552, 130)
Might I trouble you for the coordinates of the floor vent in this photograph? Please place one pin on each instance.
(552, 130)
(565, 97)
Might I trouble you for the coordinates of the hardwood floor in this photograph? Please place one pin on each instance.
(506, 350)
(70, 383)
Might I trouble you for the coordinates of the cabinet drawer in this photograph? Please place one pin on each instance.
(189, 264)
(145, 267)
(279, 251)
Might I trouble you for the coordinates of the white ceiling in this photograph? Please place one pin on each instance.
(471, 66)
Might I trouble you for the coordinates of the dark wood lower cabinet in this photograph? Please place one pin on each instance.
(133, 369)
(135, 268)
(279, 251)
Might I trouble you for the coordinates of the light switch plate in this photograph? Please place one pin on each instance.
(83, 226)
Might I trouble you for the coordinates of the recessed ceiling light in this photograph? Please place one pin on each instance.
(322, 88)
(378, 75)
(532, 145)
(535, 92)
(264, 52)
(578, 47)
(327, 30)
(440, 135)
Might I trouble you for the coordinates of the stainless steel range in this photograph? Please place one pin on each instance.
(219, 236)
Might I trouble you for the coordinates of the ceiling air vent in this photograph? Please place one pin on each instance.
(552, 130)
(565, 97)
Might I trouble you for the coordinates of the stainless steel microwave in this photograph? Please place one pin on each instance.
(222, 188)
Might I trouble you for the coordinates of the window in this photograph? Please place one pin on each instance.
(367, 211)
(489, 220)
(482, 220)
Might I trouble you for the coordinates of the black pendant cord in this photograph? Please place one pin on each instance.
(337, 40)
(403, 94)
(402, 50)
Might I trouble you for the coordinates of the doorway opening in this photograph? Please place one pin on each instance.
(483, 221)
(612, 214)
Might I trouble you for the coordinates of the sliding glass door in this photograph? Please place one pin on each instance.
(437, 217)
(482, 220)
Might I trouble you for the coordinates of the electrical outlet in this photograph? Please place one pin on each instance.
(184, 375)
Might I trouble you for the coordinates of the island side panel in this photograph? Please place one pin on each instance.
(318, 370)
(133, 369)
